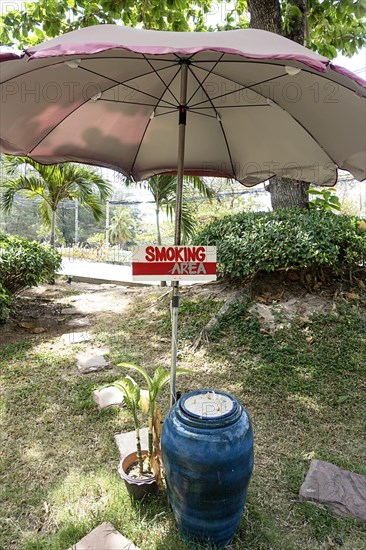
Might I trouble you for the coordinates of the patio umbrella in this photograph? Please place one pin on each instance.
(244, 104)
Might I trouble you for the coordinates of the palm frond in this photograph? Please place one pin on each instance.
(7, 199)
(188, 223)
(188, 219)
(130, 391)
(30, 185)
(139, 369)
(200, 185)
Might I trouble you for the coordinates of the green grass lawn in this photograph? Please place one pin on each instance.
(304, 387)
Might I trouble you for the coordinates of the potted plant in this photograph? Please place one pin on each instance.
(142, 469)
(139, 480)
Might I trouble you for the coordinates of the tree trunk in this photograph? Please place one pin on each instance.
(53, 228)
(288, 193)
(298, 22)
(266, 15)
(158, 235)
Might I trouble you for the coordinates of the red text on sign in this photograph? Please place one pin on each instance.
(175, 254)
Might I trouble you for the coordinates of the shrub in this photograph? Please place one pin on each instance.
(290, 239)
(5, 304)
(24, 264)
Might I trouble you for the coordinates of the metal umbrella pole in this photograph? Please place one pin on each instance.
(178, 222)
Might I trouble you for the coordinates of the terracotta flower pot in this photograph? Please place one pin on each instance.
(137, 487)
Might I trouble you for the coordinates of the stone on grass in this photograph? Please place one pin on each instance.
(107, 397)
(126, 442)
(26, 325)
(342, 490)
(92, 360)
(82, 322)
(69, 311)
(104, 537)
(108, 285)
(38, 330)
(76, 337)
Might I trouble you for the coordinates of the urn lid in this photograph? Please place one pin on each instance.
(208, 404)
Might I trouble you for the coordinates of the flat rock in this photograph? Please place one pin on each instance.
(82, 322)
(92, 361)
(265, 313)
(26, 325)
(69, 311)
(76, 337)
(38, 330)
(126, 442)
(107, 286)
(104, 537)
(342, 490)
(107, 397)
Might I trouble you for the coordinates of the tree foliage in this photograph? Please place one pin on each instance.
(333, 25)
(48, 18)
(325, 200)
(336, 26)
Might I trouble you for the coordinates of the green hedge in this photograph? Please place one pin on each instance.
(290, 239)
(25, 264)
(5, 304)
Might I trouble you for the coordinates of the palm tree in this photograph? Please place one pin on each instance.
(163, 190)
(53, 184)
(120, 229)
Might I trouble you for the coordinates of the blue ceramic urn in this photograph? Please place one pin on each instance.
(207, 449)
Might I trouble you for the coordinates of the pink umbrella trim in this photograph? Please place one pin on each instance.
(345, 72)
(94, 48)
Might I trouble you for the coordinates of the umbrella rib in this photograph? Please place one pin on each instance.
(148, 123)
(132, 77)
(67, 116)
(160, 78)
(54, 127)
(97, 74)
(194, 112)
(231, 106)
(237, 90)
(309, 134)
(131, 58)
(132, 103)
(123, 83)
(219, 121)
(167, 113)
(203, 114)
(206, 77)
(257, 84)
(292, 116)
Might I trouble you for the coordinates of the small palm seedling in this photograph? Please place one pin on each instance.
(132, 396)
(155, 384)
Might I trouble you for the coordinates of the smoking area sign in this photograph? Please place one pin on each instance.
(174, 263)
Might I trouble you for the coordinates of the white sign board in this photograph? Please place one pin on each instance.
(174, 263)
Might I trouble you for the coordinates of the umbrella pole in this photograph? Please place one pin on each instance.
(178, 222)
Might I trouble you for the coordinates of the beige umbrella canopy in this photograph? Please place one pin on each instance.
(256, 105)
(244, 104)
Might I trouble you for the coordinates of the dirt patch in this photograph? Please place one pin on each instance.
(38, 312)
